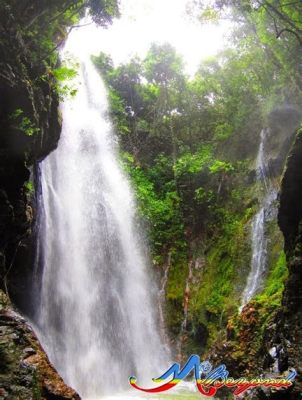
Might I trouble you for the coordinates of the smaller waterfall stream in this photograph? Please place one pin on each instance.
(258, 237)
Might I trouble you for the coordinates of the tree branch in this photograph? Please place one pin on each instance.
(34, 19)
(62, 41)
(278, 34)
(67, 8)
(282, 16)
(43, 12)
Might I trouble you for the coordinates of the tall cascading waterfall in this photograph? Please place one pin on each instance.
(97, 318)
(258, 238)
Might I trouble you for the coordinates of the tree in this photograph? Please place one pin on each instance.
(163, 65)
(28, 13)
(283, 15)
(35, 29)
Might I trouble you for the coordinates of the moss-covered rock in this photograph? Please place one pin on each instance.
(25, 371)
(29, 130)
(30, 127)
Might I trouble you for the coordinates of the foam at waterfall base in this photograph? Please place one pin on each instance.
(183, 391)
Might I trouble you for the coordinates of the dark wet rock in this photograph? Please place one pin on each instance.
(27, 88)
(286, 332)
(29, 351)
(25, 371)
(283, 123)
(264, 339)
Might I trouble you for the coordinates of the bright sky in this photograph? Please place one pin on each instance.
(146, 21)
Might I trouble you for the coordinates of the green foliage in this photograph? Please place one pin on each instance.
(209, 14)
(189, 146)
(193, 163)
(102, 11)
(163, 65)
(104, 63)
(29, 186)
(37, 390)
(28, 127)
(275, 282)
(23, 123)
(161, 213)
(119, 115)
(64, 77)
(214, 298)
(64, 73)
(223, 131)
(38, 28)
(202, 195)
(219, 166)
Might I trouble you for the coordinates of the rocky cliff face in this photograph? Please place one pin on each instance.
(289, 321)
(283, 334)
(29, 130)
(266, 337)
(25, 371)
(282, 337)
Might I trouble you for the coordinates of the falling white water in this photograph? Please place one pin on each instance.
(258, 238)
(261, 167)
(97, 318)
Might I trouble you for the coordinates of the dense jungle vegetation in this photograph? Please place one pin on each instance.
(189, 145)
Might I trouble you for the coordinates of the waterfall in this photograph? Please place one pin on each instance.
(258, 238)
(261, 167)
(97, 318)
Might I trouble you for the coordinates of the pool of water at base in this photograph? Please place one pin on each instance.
(184, 391)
